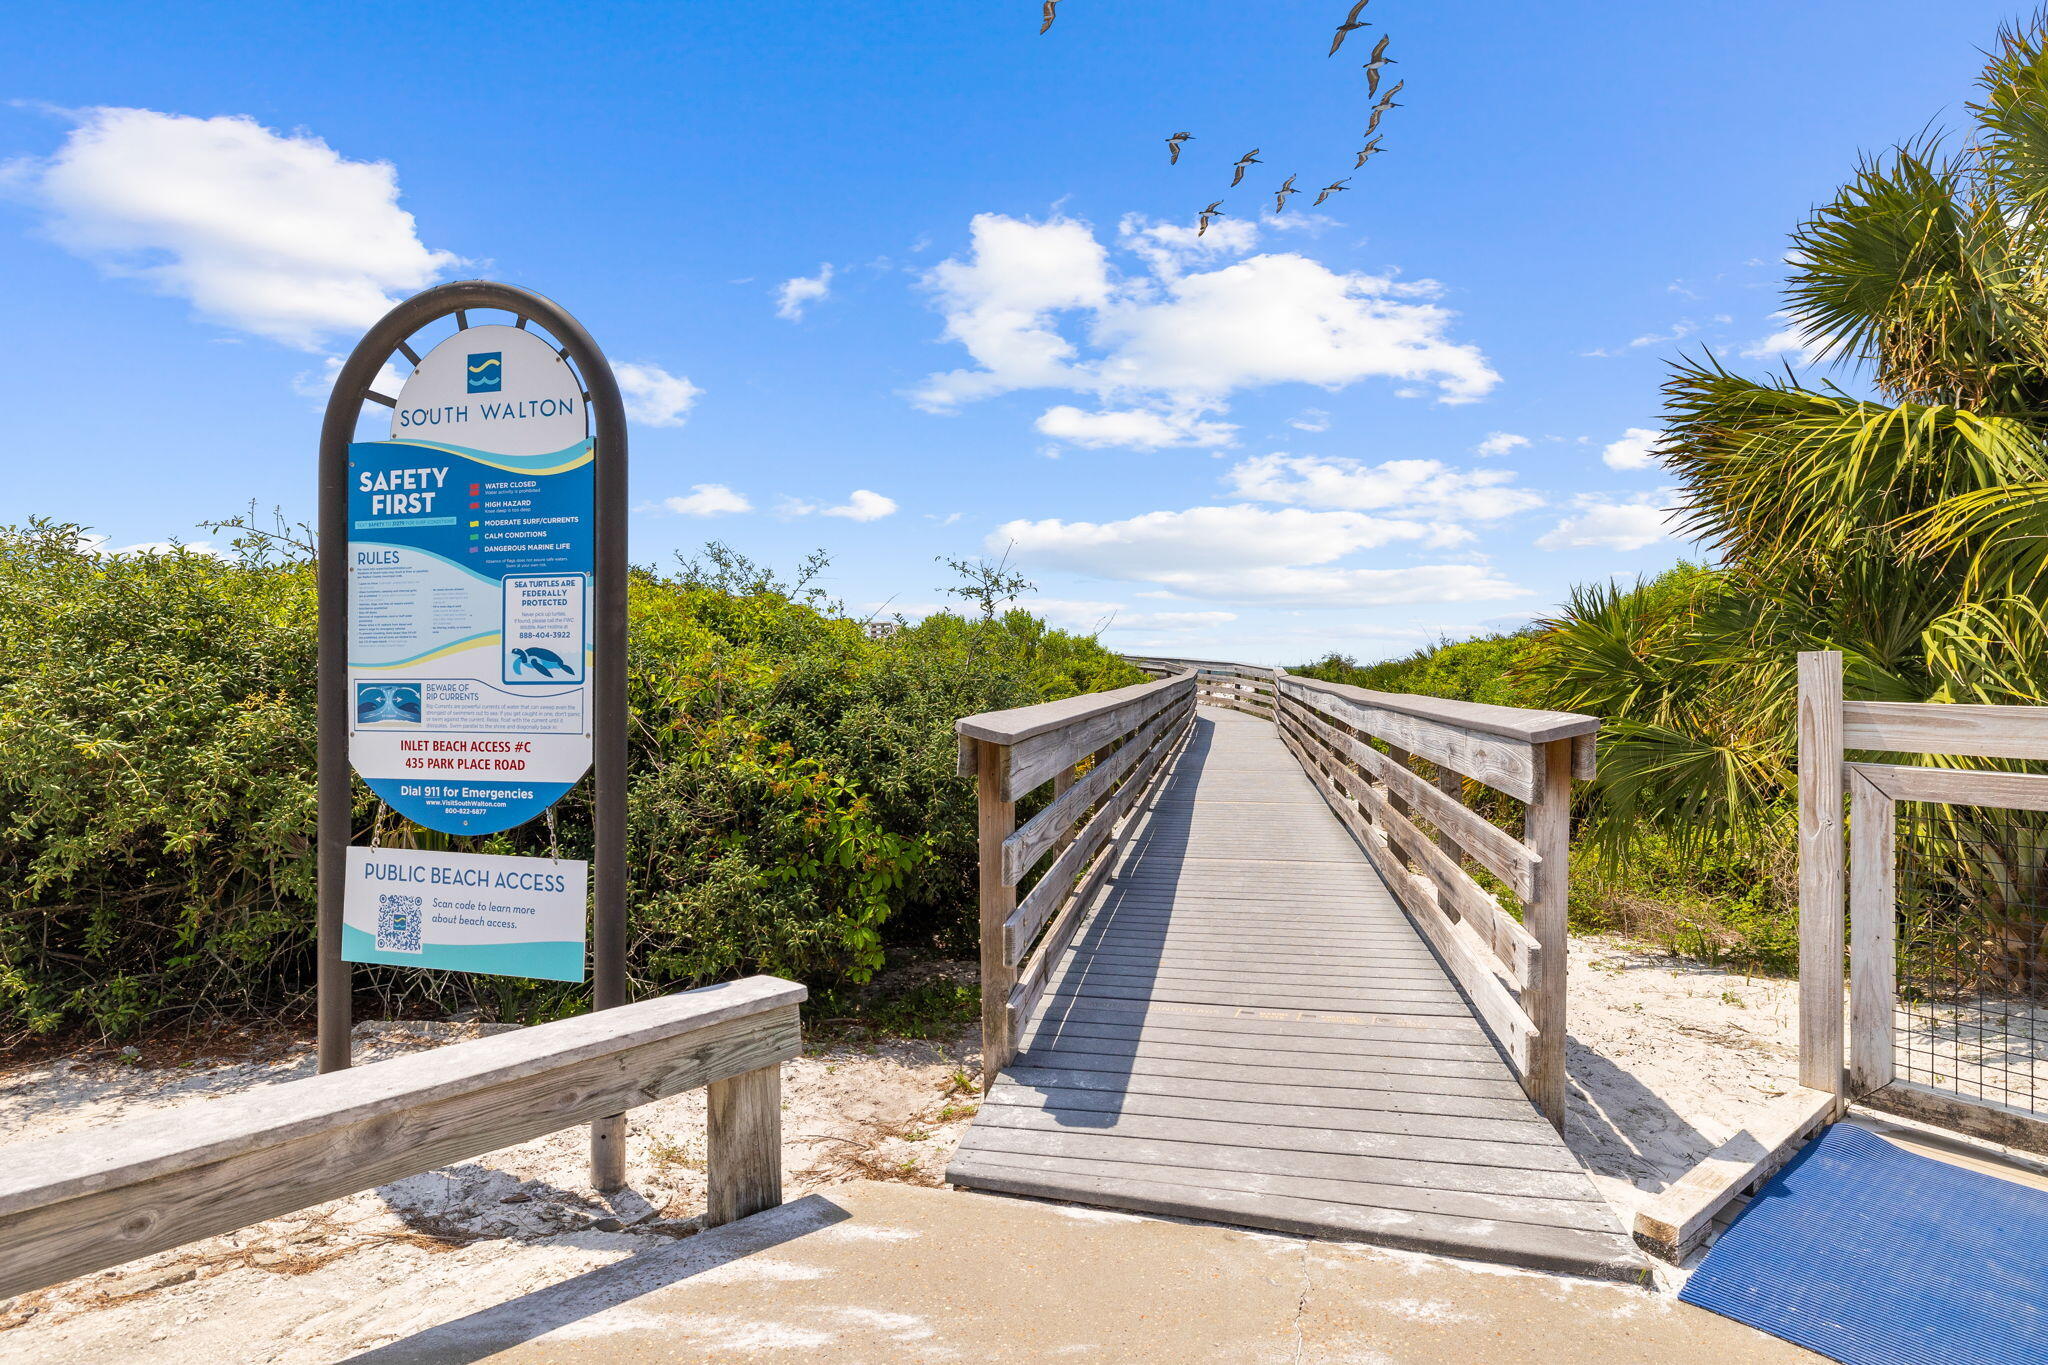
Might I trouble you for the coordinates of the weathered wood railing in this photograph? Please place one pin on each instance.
(83, 1201)
(1829, 728)
(1240, 687)
(1422, 836)
(1100, 752)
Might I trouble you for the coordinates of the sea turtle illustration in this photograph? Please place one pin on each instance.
(542, 661)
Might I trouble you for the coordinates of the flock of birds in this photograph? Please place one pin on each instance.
(1378, 63)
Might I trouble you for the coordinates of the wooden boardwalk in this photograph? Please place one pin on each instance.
(1248, 1029)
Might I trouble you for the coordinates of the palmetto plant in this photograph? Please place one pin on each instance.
(1905, 525)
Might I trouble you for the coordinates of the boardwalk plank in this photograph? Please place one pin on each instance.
(1248, 1028)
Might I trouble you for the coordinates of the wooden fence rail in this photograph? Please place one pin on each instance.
(1240, 687)
(1423, 837)
(1861, 870)
(83, 1201)
(1100, 751)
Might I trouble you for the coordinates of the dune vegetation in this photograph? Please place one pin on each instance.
(794, 802)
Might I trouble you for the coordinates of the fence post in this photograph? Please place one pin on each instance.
(743, 1140)
(1548, 830)
(997, 820)
(1451, 784)
(1873, 933)
(1820, 871)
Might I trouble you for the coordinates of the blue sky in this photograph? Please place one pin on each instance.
(1292, 435)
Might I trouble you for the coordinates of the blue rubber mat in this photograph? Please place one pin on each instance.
(1871, 1255)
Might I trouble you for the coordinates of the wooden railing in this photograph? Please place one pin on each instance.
(1100, 751)
(84, 1201)
(1829, 727)
(1240, 687)
(1361, 748)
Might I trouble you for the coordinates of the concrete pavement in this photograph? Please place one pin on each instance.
(893, 1273)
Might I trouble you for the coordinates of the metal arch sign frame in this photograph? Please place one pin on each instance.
(354, 386)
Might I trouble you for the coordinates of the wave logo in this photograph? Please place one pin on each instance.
(487, 372)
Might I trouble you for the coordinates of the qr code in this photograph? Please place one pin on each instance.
(398, 924)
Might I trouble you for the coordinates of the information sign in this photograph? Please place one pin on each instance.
(471, 555)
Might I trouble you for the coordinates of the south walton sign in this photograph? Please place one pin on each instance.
(472, 650)
(470, 561)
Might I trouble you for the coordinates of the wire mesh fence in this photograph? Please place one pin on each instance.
(1970, 1017)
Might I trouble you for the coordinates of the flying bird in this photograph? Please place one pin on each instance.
(1050, 7)
(1379, 110)
(1250, 158)
(1214, 210)
(1173, 146)
(1344, 29)
(1372, 68)
(1335, 187)
(1280, 195)
(1370, 149)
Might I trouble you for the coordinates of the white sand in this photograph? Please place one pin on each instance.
(1667, 1060)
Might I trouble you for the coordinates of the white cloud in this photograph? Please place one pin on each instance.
(1185, 331)
(1155, 545)
(863, 505)
(317, 384)
(273, 234)
(1169, 248)
(1275, 319)
(1311, 420)
(1132, 428)
(1423, 488)
(93, 543)
(1253, 555)
(1088, 616)
(795, 295)
(708, 500)
(1680, 330)
(1637, 449)
(1792, 342)
(999, 304)
(1603, 524)
(654, 396)
(1499, 443)
(1340, 587)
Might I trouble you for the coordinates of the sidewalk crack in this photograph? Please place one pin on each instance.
(1301, 1305)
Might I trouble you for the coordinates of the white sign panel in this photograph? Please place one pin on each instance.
(471, 549)
(470, 912)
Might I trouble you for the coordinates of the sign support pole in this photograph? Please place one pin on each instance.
(352, 388)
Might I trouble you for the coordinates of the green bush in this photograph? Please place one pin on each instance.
(1721, 900)
(1490, 668)
(794, 803)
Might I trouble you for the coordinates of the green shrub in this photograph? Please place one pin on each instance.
(794, 805)
(1491, 668)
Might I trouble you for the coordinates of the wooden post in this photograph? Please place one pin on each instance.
(1451, 784)
(1873, 933)
(1820, 871)
(1062, 781)
(998, 819)
(744, 1141)
(1548, 830)
(1396, 802)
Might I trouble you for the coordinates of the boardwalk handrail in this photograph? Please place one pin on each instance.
(87, 1200)
(1422, 836)
(1100, 751)
(1240, 687)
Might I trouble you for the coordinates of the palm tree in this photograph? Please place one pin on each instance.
(1908, 529)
